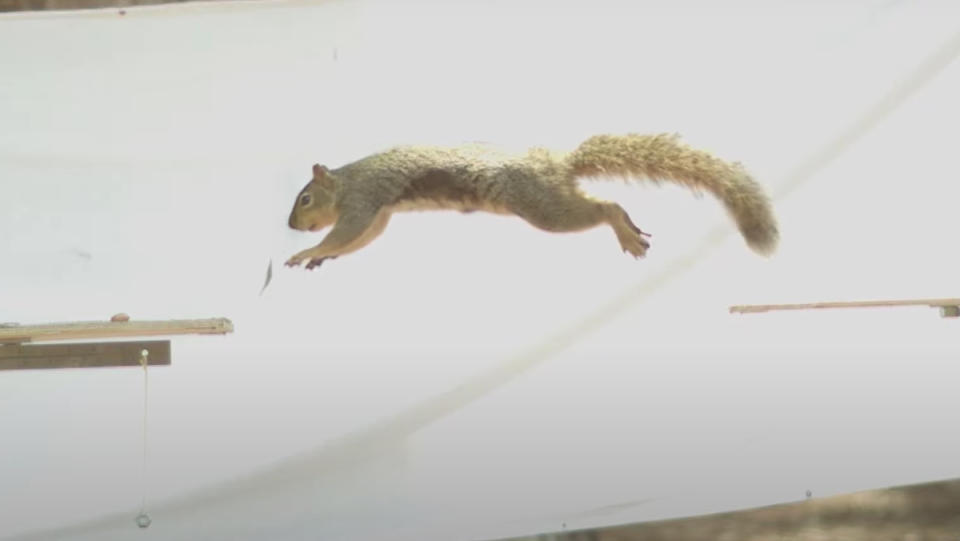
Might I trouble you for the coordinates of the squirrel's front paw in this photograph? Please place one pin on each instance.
(315, 262)
(311, 257)
(298, 258)
(293, 261)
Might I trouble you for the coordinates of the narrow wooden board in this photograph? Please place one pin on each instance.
(83, 355)
(927, 511)
(109, 329)
(757, 308)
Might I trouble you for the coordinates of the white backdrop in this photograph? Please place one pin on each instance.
(441, 384)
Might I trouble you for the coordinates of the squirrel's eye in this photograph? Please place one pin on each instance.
(305, 200)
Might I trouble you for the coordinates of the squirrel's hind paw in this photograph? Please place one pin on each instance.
(634, 245)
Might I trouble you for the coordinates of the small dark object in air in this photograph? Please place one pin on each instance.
(269, 277)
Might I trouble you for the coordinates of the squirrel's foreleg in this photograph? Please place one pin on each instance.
(352, 231)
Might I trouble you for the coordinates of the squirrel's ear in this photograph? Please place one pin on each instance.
(319, 172)
(321, 176)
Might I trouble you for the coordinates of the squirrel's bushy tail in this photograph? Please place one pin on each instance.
(664, 157)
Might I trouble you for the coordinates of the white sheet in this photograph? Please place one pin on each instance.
(148, 162)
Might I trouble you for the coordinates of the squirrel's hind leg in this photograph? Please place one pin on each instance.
(571, 212)
(630, 236)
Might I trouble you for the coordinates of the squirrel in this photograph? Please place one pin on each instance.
(540, 186)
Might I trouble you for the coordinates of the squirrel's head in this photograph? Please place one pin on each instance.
(314, 208)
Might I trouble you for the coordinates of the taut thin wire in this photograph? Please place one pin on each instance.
(143, 474)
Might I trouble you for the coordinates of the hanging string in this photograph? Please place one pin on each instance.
(143, 519)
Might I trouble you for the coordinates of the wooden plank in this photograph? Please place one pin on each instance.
(111, 329)
(926, 511)
(45, 5)
(757, 308)
(86, 355)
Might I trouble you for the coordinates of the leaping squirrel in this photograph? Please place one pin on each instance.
(539, 186)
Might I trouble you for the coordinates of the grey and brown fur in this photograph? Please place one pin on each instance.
(540, 186)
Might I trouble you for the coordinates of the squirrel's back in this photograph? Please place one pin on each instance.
(466, 177)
